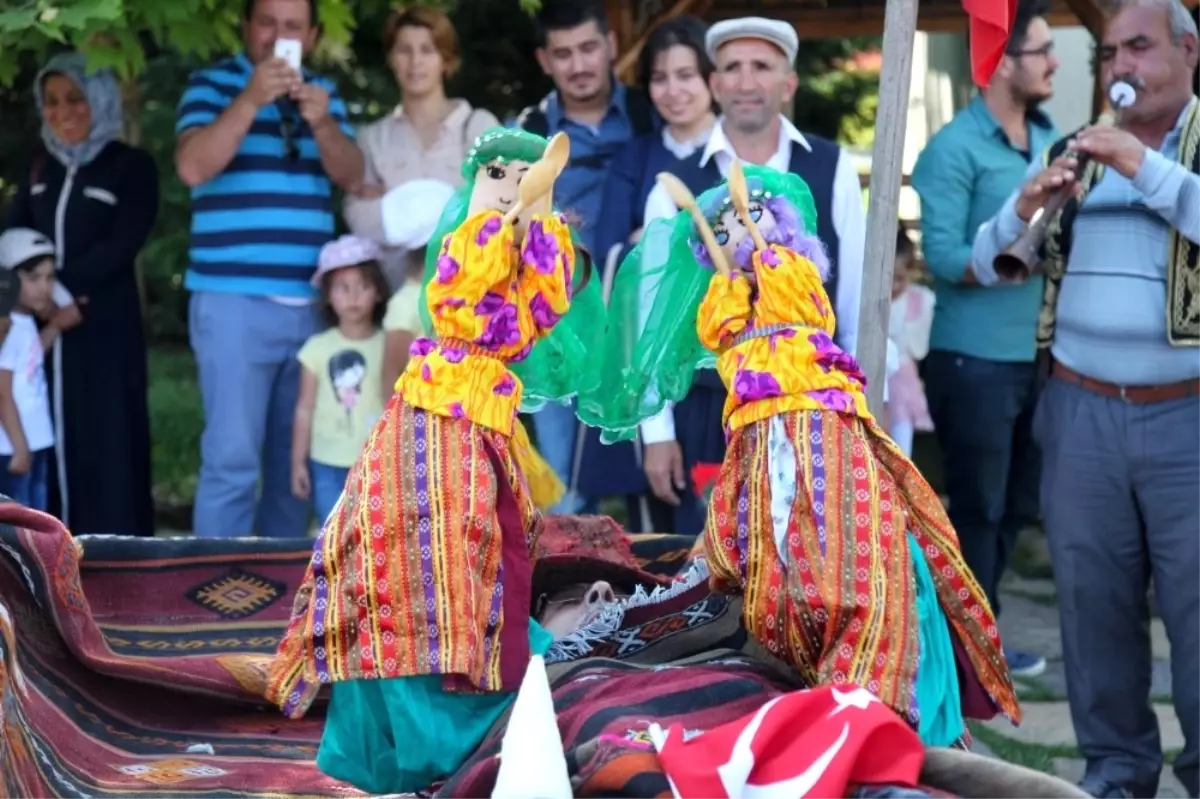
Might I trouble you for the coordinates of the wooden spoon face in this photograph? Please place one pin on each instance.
(537, 181)
(558, 151)
(740, 195)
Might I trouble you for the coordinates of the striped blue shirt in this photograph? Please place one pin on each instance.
(258, 227)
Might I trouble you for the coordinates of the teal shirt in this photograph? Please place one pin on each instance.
(963, 177)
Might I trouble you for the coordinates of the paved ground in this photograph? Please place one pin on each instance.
(1046, 739)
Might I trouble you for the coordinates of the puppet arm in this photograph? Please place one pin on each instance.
(548, 258)
(475, 258)
(724, 312)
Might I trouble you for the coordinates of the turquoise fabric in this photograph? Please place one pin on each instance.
(402, 735)
(938, 696)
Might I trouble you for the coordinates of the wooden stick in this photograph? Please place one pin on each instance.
(739, 194)
(682, 196)
(883, 207)
(539, 180)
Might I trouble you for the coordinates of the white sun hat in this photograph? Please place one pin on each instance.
(411, 211)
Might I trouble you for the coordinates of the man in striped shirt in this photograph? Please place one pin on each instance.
(1119, 420)
(260, 146)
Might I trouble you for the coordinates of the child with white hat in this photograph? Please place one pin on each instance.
(26, 430)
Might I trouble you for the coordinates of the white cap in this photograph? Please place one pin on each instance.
(411, 211)
(20, 244)
(532, 763)
(777, 32)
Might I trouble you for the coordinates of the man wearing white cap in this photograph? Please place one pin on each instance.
(754, 79)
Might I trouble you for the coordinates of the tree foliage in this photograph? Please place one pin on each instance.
(122, 34)
(161, 46)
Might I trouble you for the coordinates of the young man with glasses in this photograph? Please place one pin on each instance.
(981, 378)
(260, 145)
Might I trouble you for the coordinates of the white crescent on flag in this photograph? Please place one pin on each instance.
(793, 747)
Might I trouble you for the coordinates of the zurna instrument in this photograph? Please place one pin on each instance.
(1021, 258)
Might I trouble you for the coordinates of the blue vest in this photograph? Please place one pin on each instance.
(817, 168)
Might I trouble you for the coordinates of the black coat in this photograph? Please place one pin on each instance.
(99, 217)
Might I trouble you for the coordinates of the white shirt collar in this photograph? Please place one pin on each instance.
(684, 149)
(718, 143)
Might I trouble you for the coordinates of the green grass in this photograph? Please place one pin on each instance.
(176, 421)
(1030, 690)
(1034, 756)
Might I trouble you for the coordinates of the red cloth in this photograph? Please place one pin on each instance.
(991, 24)
(703, 477)
(806, 743)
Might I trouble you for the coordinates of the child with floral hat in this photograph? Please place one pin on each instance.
(849, 568)
(416, 604)
(339, 400)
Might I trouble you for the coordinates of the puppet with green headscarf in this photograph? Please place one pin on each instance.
(416, 606)
(848, 567)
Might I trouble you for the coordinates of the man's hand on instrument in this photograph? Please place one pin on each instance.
(1041, 186)
(1112, 147)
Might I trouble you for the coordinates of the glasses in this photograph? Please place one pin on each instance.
(1043, 51)
(287, 130)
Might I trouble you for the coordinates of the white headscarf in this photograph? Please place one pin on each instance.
(103, 95)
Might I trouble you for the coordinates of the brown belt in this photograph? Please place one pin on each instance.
(1136, 395)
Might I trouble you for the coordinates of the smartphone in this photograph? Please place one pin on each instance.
(290, 51)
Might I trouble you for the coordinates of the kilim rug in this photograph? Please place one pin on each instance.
(135, 666)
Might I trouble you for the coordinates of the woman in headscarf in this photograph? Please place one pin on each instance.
(97, 198)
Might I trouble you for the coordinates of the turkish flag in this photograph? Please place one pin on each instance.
(814, 743)
(991, 24)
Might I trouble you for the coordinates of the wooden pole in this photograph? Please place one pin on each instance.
(883, 206)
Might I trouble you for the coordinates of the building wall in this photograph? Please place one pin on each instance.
(1071, 106)
(942, 86)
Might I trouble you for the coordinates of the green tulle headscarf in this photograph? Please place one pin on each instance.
(561, 365)
(651, 349)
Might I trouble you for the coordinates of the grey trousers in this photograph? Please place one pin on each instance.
(1121, 504)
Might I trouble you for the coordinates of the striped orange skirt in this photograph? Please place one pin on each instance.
(406, 574)
(839, 604)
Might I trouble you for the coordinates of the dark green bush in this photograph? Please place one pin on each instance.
(176, 421)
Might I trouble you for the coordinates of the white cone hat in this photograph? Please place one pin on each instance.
(532, 763)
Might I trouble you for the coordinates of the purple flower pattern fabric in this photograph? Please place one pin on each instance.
(491, 297)
(750, 385)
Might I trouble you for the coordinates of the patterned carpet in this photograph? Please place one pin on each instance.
(135, 666)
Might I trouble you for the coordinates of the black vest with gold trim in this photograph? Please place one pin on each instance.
(1183, 257)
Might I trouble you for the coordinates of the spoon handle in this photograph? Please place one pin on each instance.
(741, 202)
(682, 196)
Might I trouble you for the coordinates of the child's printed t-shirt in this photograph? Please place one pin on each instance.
(23, 355)
(403, 309)
(349, 400)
